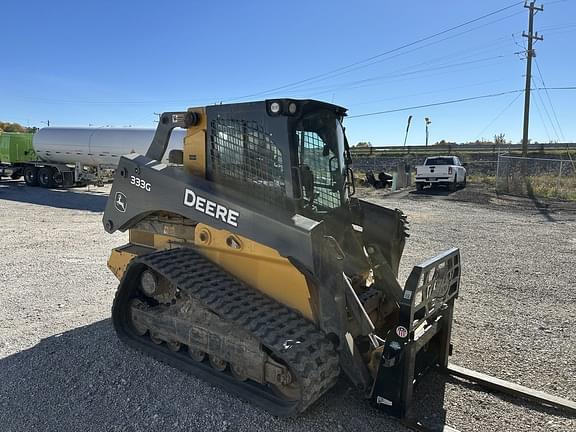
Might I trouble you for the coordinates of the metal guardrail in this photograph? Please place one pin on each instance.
(484, 148)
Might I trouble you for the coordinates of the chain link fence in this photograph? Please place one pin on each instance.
(534, 177)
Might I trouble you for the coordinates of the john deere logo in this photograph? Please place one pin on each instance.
(120, 202)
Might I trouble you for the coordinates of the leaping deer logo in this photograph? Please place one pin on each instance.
(120, 202)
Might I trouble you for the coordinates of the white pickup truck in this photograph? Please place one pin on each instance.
(441, 170)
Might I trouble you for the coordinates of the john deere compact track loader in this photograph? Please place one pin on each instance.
(251, 264)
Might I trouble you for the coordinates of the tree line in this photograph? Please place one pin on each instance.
(499, 139)
(15, 127)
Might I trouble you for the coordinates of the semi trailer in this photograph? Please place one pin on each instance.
(15, 150)
(66, 157)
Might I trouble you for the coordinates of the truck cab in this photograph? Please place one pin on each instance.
(441, 170)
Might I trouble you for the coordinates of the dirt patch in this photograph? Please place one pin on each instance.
(483, 195)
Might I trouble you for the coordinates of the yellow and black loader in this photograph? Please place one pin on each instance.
(251, 264)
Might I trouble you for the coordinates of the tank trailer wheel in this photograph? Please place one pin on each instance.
(31, 176)
(46, 177)
(58, 178)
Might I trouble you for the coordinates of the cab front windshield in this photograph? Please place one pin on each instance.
(322, 171)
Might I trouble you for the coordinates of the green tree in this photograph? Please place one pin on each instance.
(444, 143)
(12, 127)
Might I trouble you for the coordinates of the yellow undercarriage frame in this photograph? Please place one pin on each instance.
(257, 265)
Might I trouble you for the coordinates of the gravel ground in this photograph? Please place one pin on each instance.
(62, 368)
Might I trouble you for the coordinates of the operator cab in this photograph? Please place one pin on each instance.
(279, 155)
(319, 173)
(322, 171)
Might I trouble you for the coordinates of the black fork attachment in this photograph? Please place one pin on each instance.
(421, 339)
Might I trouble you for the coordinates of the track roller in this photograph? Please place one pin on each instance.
(217, 363)
(196, 354)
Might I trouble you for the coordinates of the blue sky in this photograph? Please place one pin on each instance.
(118, 62)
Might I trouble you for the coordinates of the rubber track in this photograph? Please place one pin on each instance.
(291, 337)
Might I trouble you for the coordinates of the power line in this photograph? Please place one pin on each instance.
(326, 89)
(560, 32)
(358, 87)
(542, 120)
(442, 90)
(136, 102)
(392, 75)
(546, 111)
(500, 114)
(398, 73)
(553, 29)
(549, 98)
(360, 62)
(421, 75)
(558, 27)
(335, 75)
(453, 101)
(470, 52)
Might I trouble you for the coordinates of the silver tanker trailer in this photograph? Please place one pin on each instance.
(80, 156)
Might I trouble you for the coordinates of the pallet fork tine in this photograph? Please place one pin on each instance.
(512, 389)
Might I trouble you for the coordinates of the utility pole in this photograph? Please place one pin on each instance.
(427, 121)
(531, 36)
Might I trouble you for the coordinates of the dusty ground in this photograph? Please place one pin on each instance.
(62, 368)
